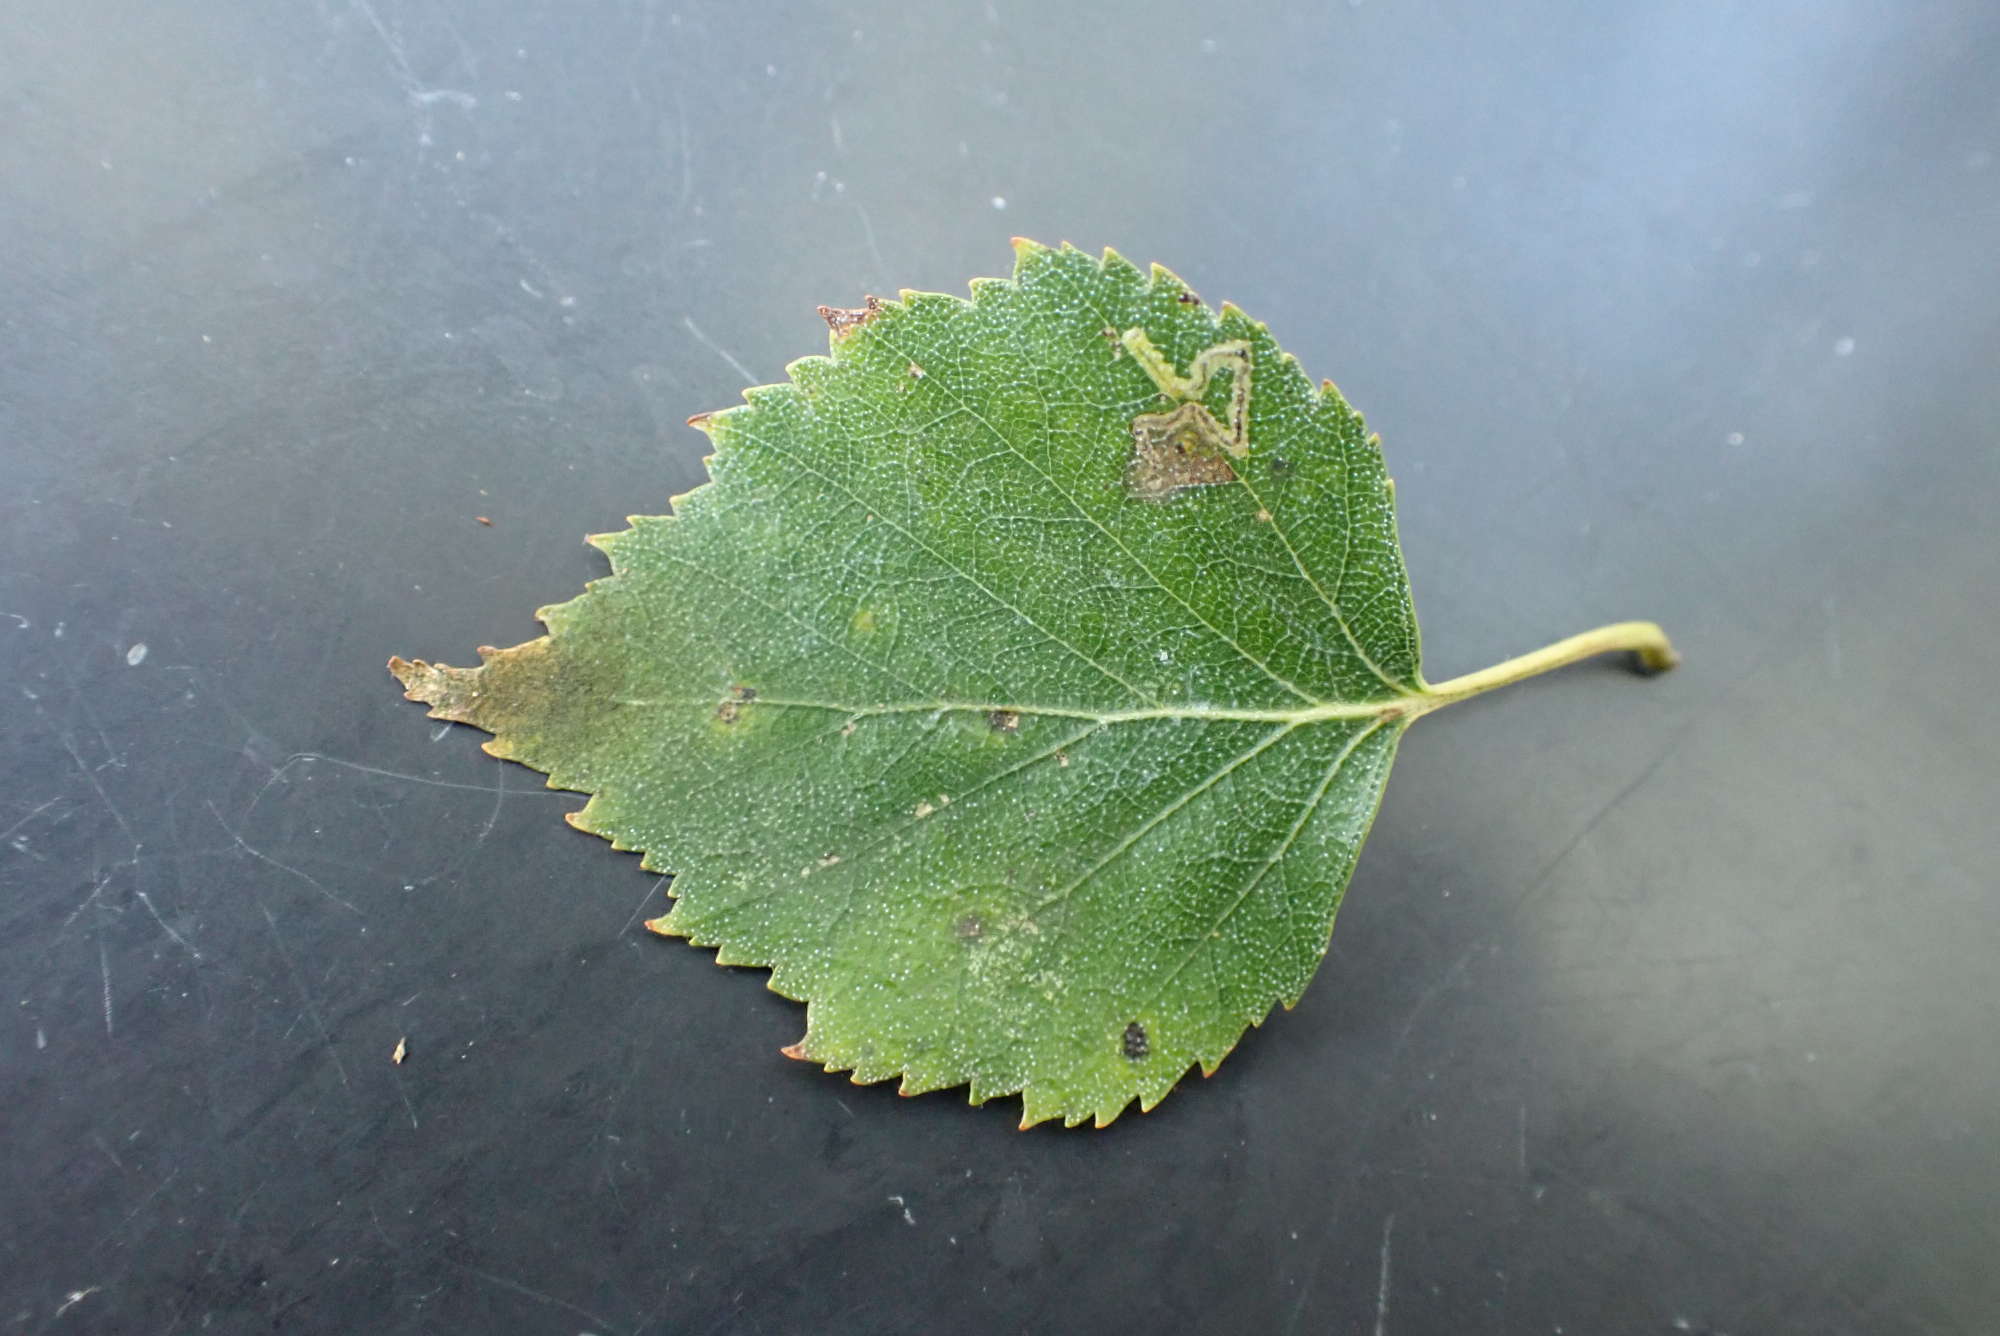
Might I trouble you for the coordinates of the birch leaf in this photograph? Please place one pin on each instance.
(1019, 690)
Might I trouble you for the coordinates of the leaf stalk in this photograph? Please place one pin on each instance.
(1645, 641)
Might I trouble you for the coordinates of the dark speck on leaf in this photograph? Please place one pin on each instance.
(1004, 721)
(1135, 1041)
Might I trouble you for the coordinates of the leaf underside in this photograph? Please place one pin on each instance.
(1023, 776)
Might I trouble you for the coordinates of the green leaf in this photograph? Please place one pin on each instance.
(1019, 691)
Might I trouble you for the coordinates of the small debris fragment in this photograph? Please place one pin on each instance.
(402, 1051)
(136, 655)
(923, 810)
(916, 372)
(483, 520)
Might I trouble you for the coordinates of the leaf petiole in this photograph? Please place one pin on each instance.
(1644, 640)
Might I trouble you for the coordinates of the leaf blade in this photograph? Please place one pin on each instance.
(925, 710)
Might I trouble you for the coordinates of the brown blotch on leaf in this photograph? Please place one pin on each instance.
(1135, 1041)
(732, 709)
(970, 927)
(845, 320)
(1004, 721)
(1174, 450)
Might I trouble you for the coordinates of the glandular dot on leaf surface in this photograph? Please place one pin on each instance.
(993, 707)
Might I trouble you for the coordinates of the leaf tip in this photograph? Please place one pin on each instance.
(662, 926)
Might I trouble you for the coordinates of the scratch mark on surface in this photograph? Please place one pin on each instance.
(1521, 1152)
(262, 857)
(147, 901)
(1548, 873)
(104, 966)
(1382, 1281)
(425, 97)
(717, 349)
(109, 1153)
(69, 745)
(312, 1008)
(643, 902)
(147, 1200)
(537, 1295)
(75, 1297)
(868, 232)
(300, 758)
(4, 834)
(88, 900)
(499, 796)
(408, 1107)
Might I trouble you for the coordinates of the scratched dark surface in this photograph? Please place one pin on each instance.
(1655, 1007)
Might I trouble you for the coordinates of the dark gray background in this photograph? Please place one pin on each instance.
(1656, 1006)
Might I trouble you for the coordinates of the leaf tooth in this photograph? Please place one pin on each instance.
(1167, 280)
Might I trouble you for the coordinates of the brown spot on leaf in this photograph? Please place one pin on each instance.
(1263, 517)
(845, 320)
(970, 927)
(732, 709)
(1173, 450)
(1004, 721)
(1135, 1041)
(1062, 759)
